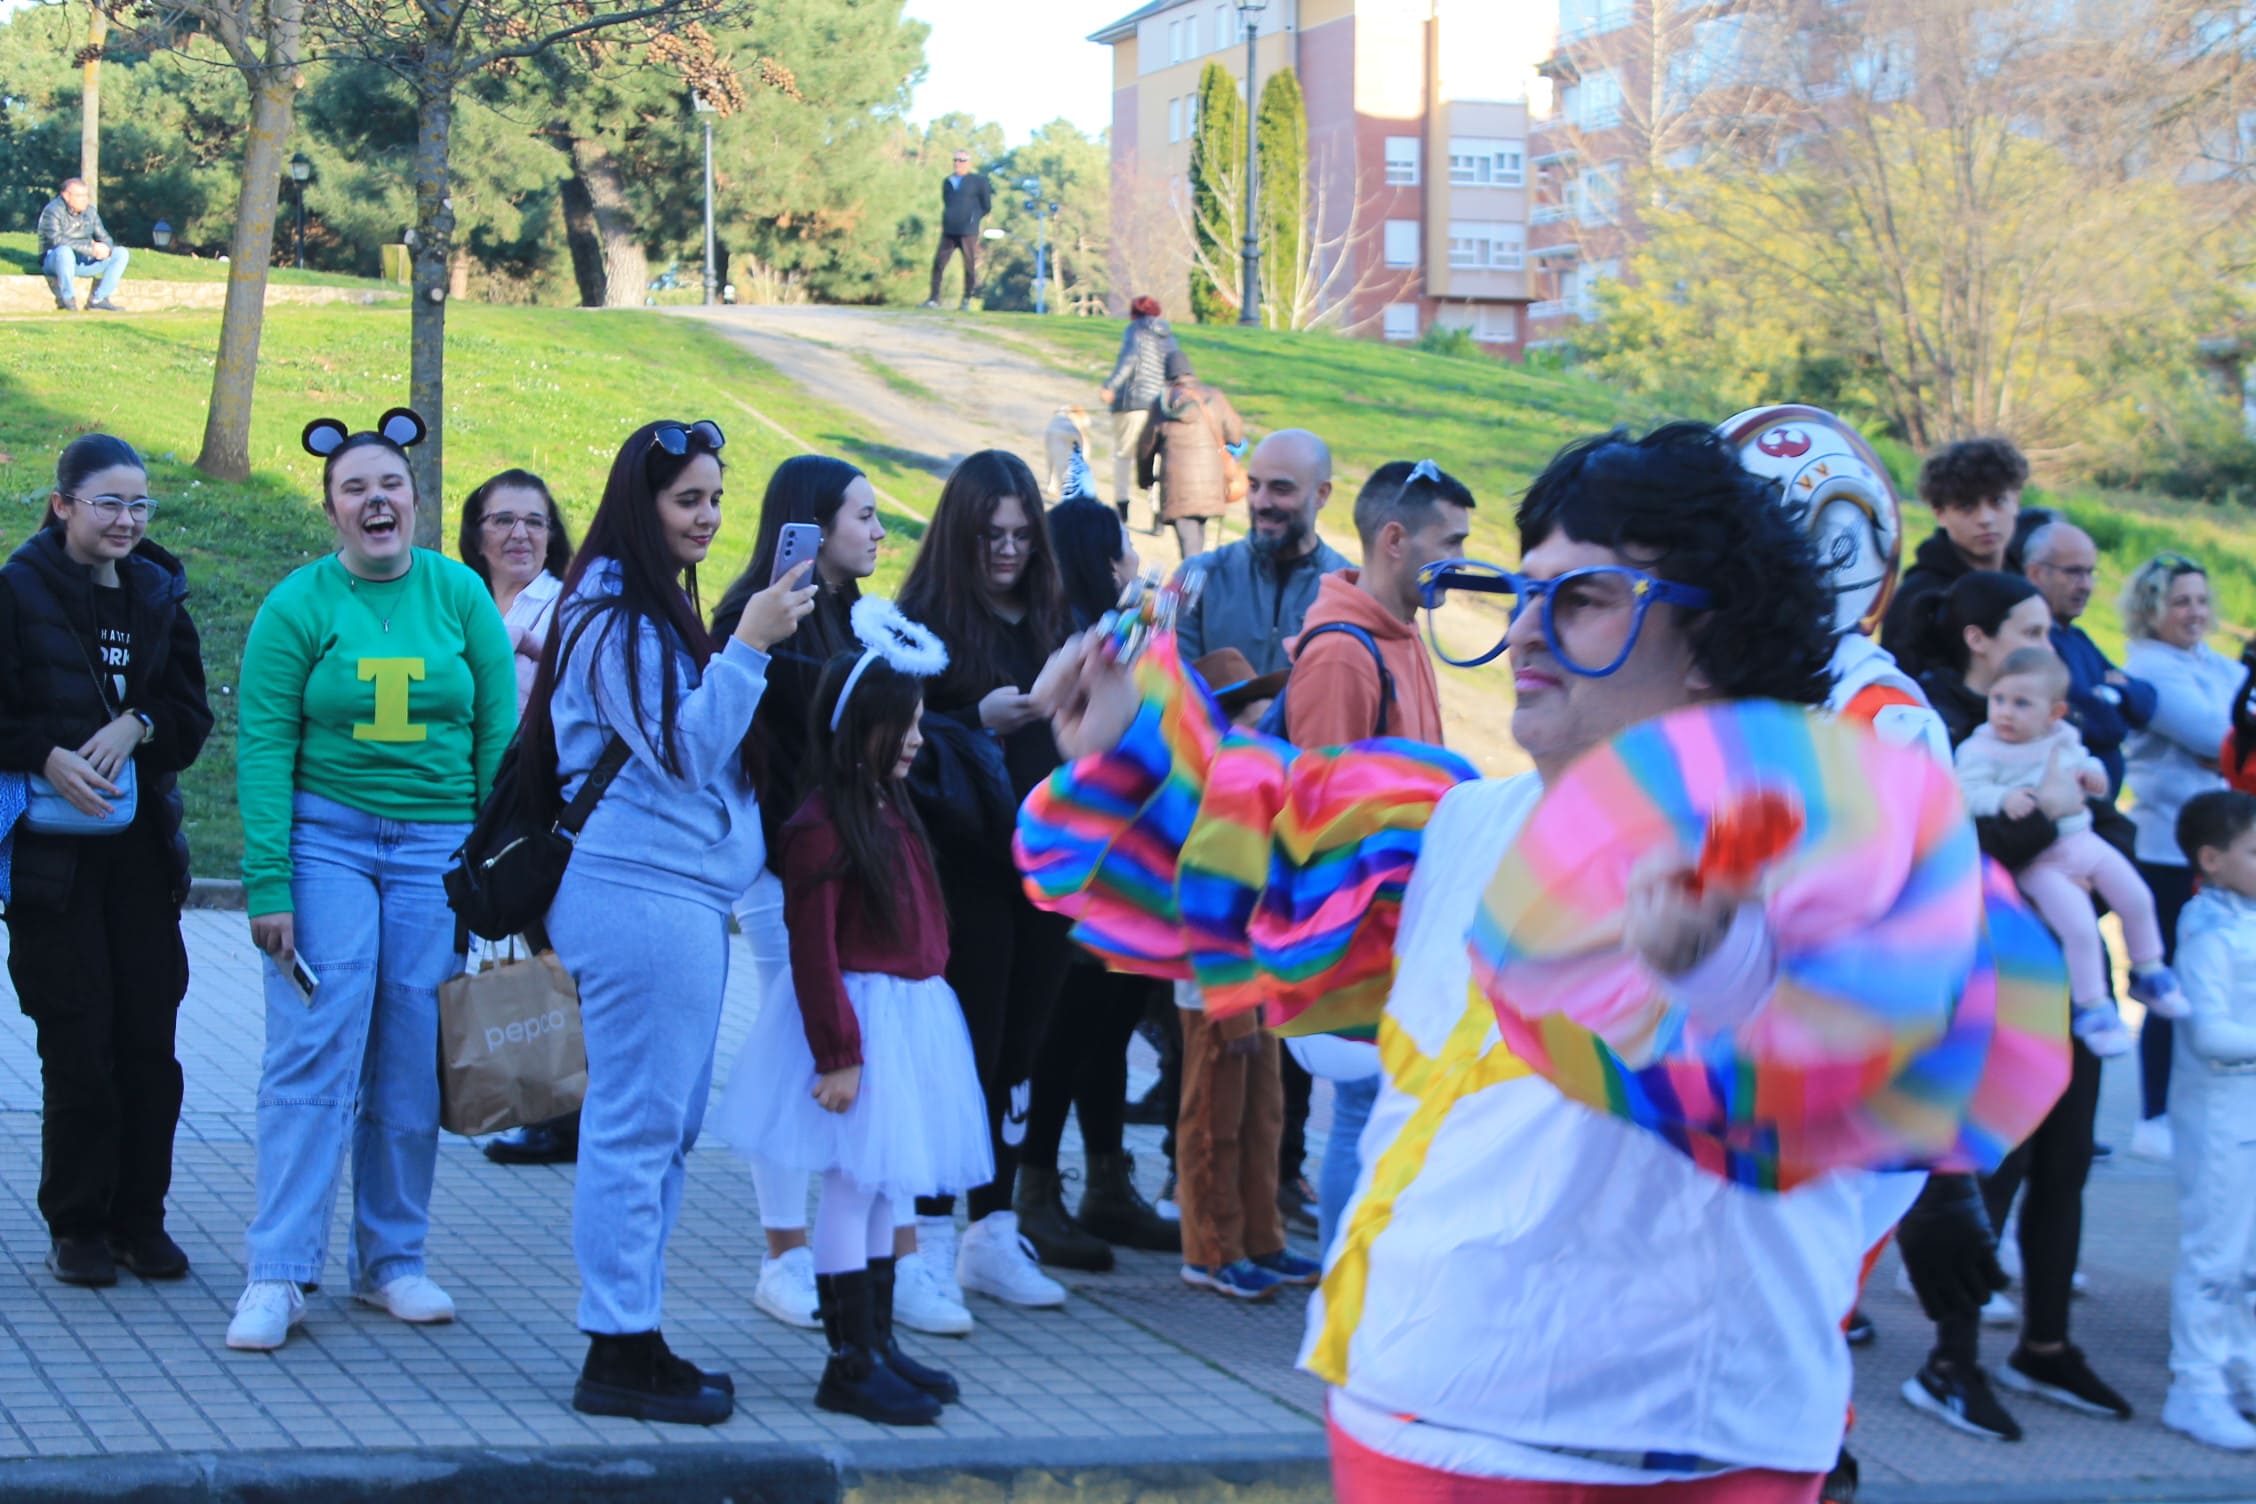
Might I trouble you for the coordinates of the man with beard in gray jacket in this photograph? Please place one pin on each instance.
(1255, 591)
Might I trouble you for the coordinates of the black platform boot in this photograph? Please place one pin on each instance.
(856, 1380)
(1117, 1212)
(1058, 1240)
(935, 1382)
(635, 1376)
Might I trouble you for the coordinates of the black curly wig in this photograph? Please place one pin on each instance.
(1679, 503)
(1970, 472)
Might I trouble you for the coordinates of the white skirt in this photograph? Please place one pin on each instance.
(918, 1127)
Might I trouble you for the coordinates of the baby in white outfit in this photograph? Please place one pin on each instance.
(1999, 769)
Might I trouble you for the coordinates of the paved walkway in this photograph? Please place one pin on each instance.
(1135, 1355)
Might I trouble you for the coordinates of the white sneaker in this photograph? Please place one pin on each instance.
(937, 1241)
(411, 1297)
(920, 1304)
(2009, 1250)
(264, 1315)
(786, 1290)
(2209, 1419)
(2151, 1139)
(2001, 1311)
(998, 1262)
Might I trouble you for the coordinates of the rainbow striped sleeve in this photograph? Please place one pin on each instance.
(1919, 1015)
(1272, 877)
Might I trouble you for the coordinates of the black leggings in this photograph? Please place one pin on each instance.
(2050, 1168)
(1083, 1065)
(2173, 889)
(1006, 962)
(101, 980)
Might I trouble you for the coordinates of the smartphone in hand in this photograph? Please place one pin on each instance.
(301, 979)
(799, 542)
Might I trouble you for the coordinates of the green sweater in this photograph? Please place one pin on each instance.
(406, 721)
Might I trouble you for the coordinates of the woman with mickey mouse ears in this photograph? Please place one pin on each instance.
(378, 695)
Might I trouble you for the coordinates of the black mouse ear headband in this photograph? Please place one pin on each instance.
(402, 425)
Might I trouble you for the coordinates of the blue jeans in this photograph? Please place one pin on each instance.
(360, 1065)
(651, 969)
(65, 266)
(1343, 1158)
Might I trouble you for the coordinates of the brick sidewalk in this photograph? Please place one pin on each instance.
(142, 1368)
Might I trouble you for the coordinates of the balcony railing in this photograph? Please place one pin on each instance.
(1550, 308)
(1548, 214)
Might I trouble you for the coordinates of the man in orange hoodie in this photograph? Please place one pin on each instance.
(1407, 516)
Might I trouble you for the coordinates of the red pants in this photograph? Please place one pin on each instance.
(1362, 1476)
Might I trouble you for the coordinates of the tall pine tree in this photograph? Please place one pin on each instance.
(1217, 195)
(1281, 143)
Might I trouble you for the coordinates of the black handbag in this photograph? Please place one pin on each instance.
(506, 874)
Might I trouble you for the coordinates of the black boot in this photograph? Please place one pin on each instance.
(941, 1386)
(82, 1261)
(152, 1255)
(555, 1142)
(684, 1370)
(1057, 1239)
(1114, 1210)
(636, 1377)
(856, 1380)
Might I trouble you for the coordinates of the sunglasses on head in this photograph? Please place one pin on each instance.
(677, 438)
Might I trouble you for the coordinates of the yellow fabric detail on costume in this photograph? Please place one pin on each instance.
(1439, 1083)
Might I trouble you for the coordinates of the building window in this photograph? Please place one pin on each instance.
(1174, 120)
(1884, 72)
(1402, 154)
(1222, 34)
(1487, 162)
(1175, 41)
(1191, 46)
(1598, 101)
(1402, 242)
(1496, 323)
(1486, 246)
(1190, 116)
(1401, 321)
(1598, 199)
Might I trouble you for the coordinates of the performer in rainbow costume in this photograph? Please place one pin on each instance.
(1656, 1020)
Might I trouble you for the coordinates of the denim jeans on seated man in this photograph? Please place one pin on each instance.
(64, 265)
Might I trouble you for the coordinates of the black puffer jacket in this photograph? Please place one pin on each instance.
(50, 697)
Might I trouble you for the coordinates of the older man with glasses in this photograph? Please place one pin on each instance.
(966, 198)
(2105, 704)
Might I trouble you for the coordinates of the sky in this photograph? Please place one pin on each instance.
(1028, 72)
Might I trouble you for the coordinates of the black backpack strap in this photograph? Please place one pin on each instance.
(1371, 646)
(599, 778)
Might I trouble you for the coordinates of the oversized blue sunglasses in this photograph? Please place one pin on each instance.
(1637, 589)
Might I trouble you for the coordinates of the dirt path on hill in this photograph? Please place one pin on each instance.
(933, 393)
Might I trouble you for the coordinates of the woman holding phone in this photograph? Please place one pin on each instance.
(102, 696)
(643, 911)
(377, 699)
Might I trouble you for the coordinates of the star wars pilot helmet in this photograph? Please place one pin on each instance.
(1830, 478)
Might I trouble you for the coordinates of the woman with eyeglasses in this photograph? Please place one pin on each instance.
(2168, 616)
(102, 699)
(376, 702)
(987, 583)
(514, 536)
(642, 918)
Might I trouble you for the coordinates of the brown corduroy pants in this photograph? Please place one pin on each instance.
(1226, 1138)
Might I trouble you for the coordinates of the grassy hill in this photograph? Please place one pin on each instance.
(19, 255)
(554, 390)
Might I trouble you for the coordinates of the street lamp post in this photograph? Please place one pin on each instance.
(697, 101)
(160, 234)
(1249, 301)
(1041, 210)
(301, 171)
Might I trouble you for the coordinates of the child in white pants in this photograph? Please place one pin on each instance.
(2213, 1124)
(1999, 769)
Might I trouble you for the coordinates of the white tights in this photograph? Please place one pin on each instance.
(853, 1224)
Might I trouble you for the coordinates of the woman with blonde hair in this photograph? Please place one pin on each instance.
(2168, 616)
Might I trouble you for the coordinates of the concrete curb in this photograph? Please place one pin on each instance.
(1149, 1471)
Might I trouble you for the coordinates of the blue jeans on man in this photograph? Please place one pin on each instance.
(64, 265)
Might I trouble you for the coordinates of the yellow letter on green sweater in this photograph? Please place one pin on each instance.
(392, 676)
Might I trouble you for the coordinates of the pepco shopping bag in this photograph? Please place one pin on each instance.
(510, 1047)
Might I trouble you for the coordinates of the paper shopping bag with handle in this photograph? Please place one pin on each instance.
(510, 1047)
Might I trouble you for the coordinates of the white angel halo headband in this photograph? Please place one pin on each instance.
(884, 632)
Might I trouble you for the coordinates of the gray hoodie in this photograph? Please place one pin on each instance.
(696, 835)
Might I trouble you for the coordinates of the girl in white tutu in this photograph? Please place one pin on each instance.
(875, 1088)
